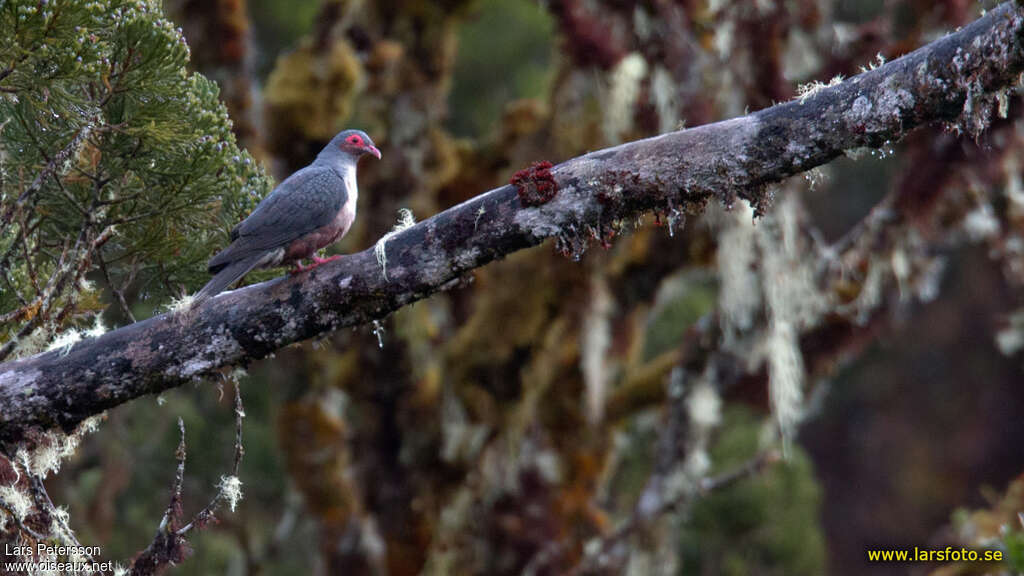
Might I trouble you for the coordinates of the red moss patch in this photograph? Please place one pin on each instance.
(535, 185)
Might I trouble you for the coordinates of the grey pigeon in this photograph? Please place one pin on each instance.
(309, 210)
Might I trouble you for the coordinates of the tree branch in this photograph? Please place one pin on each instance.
(954, 79)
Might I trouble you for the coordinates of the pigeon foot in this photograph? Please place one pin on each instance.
(318, 261)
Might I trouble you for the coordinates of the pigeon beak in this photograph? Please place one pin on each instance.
(373, 150)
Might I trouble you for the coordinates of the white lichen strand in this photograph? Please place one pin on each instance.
(977, 111)
(665, 92)
(621, 96)
(98, 328)
(595, 340)
(53, 447)
(794, 303)
(181, 303)
(64, 341)
(230, 488)
(704, 411)
(724, 38)
(901, 270)
(405, 221)
(479, 214)
(36, 342)
(641, 562)
(786, 379)
(19, 503)
(806, 91)
(878, 62)
(237, 375)
(739, 297)
(60, 529)
(1014, 190)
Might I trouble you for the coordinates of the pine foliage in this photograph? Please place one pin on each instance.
(118, 168)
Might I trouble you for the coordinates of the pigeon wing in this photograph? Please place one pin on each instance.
(307, 200)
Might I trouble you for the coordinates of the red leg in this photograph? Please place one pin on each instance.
(299, 268)
(318, 261)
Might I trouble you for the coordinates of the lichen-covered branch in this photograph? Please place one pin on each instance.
(956, 79)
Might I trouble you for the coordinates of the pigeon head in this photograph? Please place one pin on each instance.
(349, 145)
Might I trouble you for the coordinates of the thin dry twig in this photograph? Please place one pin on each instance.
(42, 500)
(207, 514)
(62, 275)
(706, 486)
(169, 545)
(118, 292)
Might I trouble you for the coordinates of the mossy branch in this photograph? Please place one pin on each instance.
(956, 79)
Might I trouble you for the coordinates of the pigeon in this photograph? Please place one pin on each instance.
(311, 209)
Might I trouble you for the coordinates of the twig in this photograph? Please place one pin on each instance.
(55, 286)
(64, 155)
(44, 301)
(5, 261)
(206, 514)
(167, 546)
(21, 299)
(750, 468)
(29, 266)
(118, 292)
(638, 519)
(174, 506)
(42, 500)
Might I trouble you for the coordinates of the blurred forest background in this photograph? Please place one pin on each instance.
(500, 427)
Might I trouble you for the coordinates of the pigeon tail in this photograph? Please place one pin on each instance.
(226, 276)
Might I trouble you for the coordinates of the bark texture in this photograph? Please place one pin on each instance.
(955, 79)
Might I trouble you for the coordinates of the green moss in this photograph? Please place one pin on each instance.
(1013, 544)
(767, 524)
(681, 301)
(313, 92)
